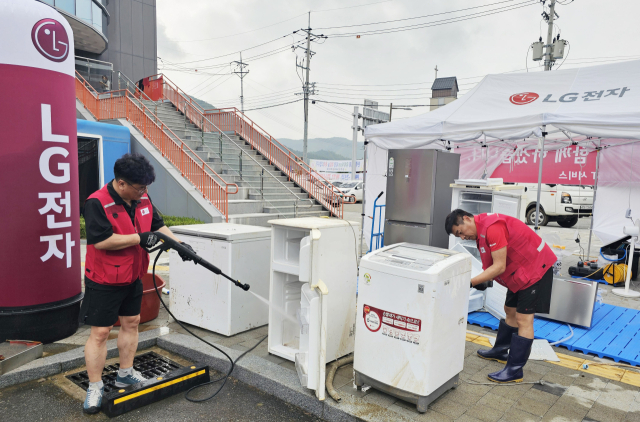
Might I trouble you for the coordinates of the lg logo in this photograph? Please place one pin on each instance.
(523, 98)
(50, 39)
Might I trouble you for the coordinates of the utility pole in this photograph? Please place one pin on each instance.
(240, 66)
(436, 69)
(548, 55)
(354, 149)
(306, 93)
(308, 89)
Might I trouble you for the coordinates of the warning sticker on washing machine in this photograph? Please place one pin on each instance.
(393, 325)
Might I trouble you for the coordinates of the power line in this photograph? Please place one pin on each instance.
(435, 23)
(259, 97)
(379, 105)
(351, 7)
(237, 52)
(278, 23)
(415, 17)
(214, 87)
(334, 114)
(242, 33)
(213, 66)
(275, 105)
(258, 103)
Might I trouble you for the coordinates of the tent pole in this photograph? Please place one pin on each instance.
(364, 195)
(595, 191)
(541, 151)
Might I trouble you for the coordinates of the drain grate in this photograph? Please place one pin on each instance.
(150, 365)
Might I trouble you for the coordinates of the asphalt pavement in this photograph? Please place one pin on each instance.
(44, 400)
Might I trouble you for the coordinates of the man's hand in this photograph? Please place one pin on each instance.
(482, 286)
(186, 257)
(148, 240)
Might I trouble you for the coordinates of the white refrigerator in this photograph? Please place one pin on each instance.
(210, 301)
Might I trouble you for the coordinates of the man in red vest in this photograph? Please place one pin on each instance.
(119, 220)
(516, 257)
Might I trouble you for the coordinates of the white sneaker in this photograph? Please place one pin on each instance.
(131, 379)
(93, 402)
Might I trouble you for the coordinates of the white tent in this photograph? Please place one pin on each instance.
(593, 106)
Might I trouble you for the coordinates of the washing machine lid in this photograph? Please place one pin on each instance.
(411, 257)
(224, 231)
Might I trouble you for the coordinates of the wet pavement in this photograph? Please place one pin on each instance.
(573, 395)
(44, 400)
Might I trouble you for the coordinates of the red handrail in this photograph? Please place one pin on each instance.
(121, 104)
(232, 120)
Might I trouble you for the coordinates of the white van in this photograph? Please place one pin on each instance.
(564, 204)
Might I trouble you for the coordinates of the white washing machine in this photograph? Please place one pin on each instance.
(411, 321)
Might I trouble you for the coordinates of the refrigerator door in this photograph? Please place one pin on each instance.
(398, 232)
(410, 186)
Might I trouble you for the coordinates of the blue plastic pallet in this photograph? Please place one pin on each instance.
(614, 333)
(601, 281)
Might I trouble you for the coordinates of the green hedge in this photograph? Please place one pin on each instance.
(83, 231)
(169, 220)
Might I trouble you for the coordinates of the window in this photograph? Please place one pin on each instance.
(67, 5)
(97, 17)
(83, 10)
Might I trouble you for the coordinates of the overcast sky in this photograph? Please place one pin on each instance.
(393, 67)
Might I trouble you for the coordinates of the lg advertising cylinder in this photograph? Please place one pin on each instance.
(40, 285)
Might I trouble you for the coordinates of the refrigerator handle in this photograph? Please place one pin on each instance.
(322, 356)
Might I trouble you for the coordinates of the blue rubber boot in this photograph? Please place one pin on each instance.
(518, 356)
(500, 351)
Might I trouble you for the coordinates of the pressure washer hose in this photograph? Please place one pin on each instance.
(332, 372)
(225, 377)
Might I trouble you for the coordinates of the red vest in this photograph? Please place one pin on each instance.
(124, 266)
(528, 256)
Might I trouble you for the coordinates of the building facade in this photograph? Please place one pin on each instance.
(443, 91)
(112, 36)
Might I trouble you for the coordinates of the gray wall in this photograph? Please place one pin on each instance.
(171, 193)
(132, 35)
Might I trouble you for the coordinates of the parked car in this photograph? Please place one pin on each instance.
(564, 204)
(352, 188)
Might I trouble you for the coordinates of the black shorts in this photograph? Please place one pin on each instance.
(103, 304)
(535, 298)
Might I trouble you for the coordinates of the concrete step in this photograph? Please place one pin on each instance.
(227, 148)
(292, 209)
(262, 219)
(256, 202)
(255, 180)
(244, 206)
(275, 196)
(274, 190)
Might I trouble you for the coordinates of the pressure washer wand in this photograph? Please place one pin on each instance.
(168, 243)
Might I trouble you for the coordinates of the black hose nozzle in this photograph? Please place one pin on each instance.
(169, 243)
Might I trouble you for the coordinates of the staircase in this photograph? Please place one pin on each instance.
(264, 192)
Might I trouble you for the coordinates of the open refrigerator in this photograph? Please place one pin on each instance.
(312, 294)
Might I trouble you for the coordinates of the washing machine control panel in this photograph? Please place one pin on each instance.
(411, 257)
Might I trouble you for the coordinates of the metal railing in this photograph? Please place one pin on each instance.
(98, 73)
(122, 104)
(125, 83)
(232, 120)
(193, 113)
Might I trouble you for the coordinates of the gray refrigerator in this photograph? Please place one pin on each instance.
(419, 196)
